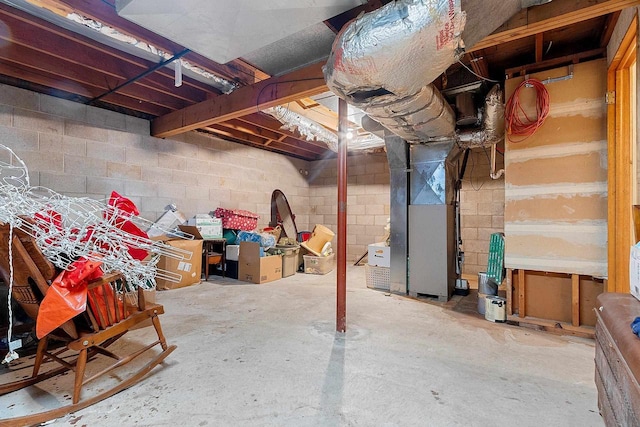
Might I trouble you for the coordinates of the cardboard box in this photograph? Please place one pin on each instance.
(208, 226)
(189, 270)
(167, 222)
(256, 269)
(233, 252)
(289, 258)
(379, 255)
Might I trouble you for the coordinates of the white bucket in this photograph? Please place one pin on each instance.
(495, 309)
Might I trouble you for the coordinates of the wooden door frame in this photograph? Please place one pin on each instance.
(620, 161)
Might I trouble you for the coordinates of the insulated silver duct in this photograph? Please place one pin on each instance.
(384, 61)
(492, 130)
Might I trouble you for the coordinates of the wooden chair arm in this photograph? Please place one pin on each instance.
(107, 278)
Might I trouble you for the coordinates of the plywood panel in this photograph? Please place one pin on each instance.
(590, 288)
(548, 296)
(558, 208)
(574, 169)
(556, 180)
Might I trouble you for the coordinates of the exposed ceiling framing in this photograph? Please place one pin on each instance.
(39, 53)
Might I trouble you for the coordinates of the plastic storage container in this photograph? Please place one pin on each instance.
(318, 264)
(378, 277)
(289, 259)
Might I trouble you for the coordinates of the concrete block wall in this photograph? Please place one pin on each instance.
(481, 210)
(78, 150)
(367, 199)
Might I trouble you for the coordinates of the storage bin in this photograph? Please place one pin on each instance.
(378, 277)
(289, 259)
(318, 264)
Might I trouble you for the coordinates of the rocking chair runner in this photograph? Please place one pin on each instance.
(107, 318)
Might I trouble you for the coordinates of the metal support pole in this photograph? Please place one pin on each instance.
(341, 312)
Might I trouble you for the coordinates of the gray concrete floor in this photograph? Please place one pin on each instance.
(267, 355)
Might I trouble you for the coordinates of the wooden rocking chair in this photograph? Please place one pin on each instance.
(107, 318)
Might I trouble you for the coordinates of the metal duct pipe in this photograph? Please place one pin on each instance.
(492, 130)
(384, 61)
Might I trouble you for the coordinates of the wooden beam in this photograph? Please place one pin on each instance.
(267, 122)
(575, 299)
(509, 292)
(539, 46)
(609, 25)
(550, 16)
(522, 312)
(254, 141)
(274, 91)
(552, 63)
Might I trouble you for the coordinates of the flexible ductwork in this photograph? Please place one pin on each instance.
(314, 131)
(384, 61)
(492, 130)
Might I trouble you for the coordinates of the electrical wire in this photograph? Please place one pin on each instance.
(478, 75)
(518, 123)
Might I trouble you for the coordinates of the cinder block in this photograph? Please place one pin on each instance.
(154, 174)
(484, 221)
(79, 165)
(382, 178)
(6, 115)
(63, 183)
(380, 220)
(138, 156)
(33, 120)
(497, 221)
(170, 161)
(19, 139)
(485, 234)
(85, 131)
(102, 118)
(105, 186)
(63, 108)
(41, 161)
(21, 98)
(469, 233)
(141, 189)
(136, 125)
(365, 220)
(124, 138)
(172, 191)
(124, 171)
(105, 151)
(193, 192)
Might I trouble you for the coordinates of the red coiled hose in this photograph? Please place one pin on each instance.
(518, 123)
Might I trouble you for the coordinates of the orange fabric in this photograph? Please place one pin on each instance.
(67, 296)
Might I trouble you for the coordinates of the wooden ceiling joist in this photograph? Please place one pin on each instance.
(104, 13)
(274, 91)
(266, 122)
(550, 16)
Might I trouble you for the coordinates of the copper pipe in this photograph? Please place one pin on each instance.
(341, 286)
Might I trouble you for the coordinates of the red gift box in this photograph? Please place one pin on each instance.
(237, 219)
